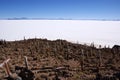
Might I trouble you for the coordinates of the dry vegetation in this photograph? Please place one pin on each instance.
(62, 60)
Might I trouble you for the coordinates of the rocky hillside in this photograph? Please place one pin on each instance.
(81, 62)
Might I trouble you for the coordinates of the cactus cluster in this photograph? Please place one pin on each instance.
(79, 60)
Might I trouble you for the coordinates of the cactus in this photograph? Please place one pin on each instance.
(26, 62)
(82, 62)
(100, 58)
(10, 76)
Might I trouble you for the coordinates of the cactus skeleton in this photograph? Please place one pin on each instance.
(26, 62)
(5, 65)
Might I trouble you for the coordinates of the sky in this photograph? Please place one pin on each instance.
(68, 9)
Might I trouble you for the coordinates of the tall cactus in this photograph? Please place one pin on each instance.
(82, 62)
(100, 58)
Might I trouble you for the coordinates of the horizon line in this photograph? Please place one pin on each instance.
(25, 18)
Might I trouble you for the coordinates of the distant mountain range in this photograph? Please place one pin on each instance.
(25, 18)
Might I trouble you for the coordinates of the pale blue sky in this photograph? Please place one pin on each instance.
(74, 9)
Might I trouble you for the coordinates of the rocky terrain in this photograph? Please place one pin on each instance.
(61, 60)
